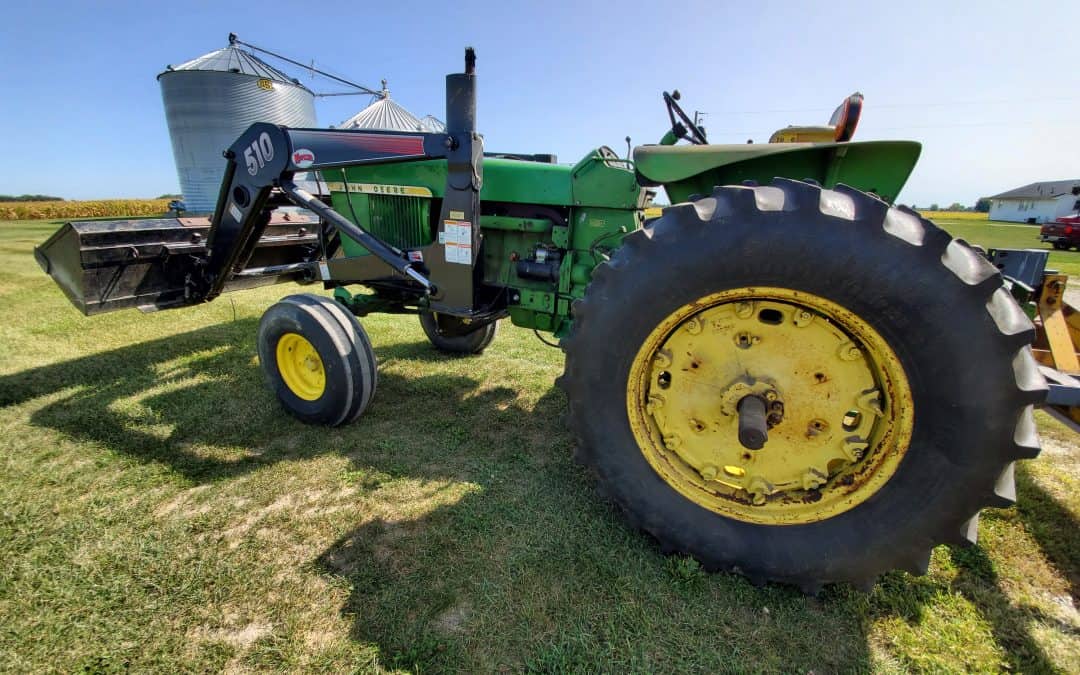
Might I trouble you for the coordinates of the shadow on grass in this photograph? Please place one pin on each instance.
(163, 400)
(528, 570)
(978, 582)
(1052, 525)
(539, 583)
(194, 401)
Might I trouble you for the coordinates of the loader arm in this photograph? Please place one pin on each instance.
(268, 156)
(167, 263)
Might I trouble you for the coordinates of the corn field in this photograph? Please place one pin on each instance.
(99, 208)
(953, 215)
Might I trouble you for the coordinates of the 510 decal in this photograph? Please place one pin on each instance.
(259, 153)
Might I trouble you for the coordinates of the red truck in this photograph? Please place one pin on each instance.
(1063, 233)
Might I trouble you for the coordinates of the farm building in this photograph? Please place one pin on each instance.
(211, 100)
(385, 113)
(1037, 202)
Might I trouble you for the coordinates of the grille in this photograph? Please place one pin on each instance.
(403, 222)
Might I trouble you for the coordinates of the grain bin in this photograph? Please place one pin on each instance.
(387, 115)
(211, 100)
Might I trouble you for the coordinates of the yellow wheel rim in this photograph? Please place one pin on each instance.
(300, 367)
(840, 405)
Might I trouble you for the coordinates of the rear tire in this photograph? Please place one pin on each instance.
(1061, 246)
(961, 342)
(451, 335)
(317, 359)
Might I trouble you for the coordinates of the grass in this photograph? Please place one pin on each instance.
(158, 512)
(995, 234)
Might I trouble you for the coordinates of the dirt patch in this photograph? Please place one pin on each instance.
(453, 621)
(181, 503)
(318, 639)
(1056, 447)
(241, 637)
(385, 545)
(237, 532)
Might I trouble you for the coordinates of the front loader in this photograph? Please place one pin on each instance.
(781, 374)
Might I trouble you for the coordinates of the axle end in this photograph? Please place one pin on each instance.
(753, 427)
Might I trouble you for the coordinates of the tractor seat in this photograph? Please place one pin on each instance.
(669, 163)
(841, 126)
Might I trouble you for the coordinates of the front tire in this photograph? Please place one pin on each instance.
(451, 335)
(915, 333)
(317, 359)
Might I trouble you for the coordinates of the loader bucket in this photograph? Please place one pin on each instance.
(105, 265)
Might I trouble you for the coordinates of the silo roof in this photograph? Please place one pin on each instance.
(232, 59)
(432, 125)
(386, 114)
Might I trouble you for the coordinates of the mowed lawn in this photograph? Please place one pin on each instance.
(993, 234)
(159, 512)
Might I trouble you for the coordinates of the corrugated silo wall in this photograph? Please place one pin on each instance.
(207, 110)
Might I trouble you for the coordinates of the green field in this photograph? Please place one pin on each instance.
(993, 234)
(158, 512)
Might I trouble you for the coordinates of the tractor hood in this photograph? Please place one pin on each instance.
(881, 167)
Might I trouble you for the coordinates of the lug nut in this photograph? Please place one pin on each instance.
(848, 352)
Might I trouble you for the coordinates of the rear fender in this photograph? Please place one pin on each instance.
(881, 167)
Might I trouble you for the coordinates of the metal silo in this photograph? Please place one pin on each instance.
(211, 100)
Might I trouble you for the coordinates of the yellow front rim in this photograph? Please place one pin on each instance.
(300, 366)
(840, 405)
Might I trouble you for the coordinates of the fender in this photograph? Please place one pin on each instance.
(881, 167)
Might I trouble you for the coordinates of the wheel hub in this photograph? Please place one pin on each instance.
(836, 403)
(300, 366)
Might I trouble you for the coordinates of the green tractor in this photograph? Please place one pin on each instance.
(780, 374)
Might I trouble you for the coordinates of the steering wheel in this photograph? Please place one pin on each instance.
(683, 125)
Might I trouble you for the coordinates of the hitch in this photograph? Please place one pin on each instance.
(1057, 326)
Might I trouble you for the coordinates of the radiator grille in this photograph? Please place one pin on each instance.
(403, 222)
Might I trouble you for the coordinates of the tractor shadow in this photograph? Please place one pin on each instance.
(529, 562)
(1056, 533)
(1053, 526)
(976, 580)
(190, 401)
(197, 403)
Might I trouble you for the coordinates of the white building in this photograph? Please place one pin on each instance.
(1037, 202)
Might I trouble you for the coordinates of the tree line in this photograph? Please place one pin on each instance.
(981, 206)
(30, 198)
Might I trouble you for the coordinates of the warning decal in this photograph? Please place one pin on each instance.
(457, 241)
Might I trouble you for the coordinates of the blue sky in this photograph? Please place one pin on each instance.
(992, 90)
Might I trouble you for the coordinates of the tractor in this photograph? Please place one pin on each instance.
(781, 374)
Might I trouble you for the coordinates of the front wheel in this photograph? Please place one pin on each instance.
(803, 385)
(453, 335)
(317, 359)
